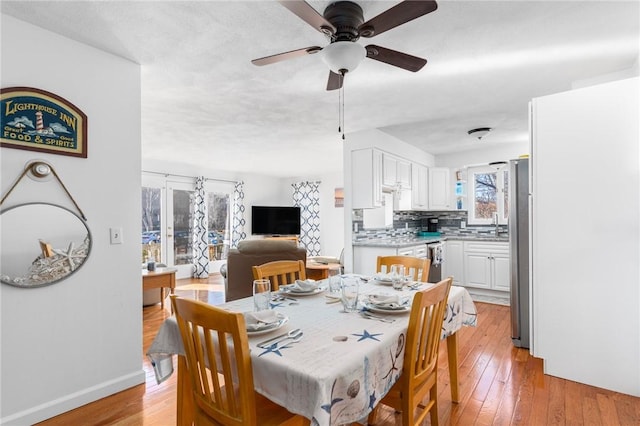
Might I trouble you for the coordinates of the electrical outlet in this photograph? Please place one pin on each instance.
(116, 235)
(463, 224)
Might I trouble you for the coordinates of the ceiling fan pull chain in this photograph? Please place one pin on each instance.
(342, 104)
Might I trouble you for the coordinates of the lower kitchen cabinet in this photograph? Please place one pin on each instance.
(365, 258)
(478, 264)
(486, 265)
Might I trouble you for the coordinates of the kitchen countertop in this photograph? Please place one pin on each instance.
(402, 242)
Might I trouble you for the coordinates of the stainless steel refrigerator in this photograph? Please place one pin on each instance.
(519, 250)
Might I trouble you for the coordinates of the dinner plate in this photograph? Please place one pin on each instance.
(291, 292)
(380, 310)
(267, 328)
(382, 281)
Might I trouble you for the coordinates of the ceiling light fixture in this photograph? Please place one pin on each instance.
(498, 164)
(343, 56)
(480, 132)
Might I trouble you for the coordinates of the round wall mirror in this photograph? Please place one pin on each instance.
(41, 244)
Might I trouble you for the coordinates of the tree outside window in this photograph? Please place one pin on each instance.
(488, 195)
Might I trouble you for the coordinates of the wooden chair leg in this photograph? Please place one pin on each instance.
(373, 416)
(452, 357)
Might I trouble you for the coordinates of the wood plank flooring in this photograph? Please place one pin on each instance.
(500, 384)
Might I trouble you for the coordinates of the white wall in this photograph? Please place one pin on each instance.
(586, 237)
(78, 340)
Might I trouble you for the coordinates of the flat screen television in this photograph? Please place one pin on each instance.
(272, 220)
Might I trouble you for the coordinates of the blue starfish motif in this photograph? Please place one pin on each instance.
(366, 335)
(275, 349)
(328, 407)
(372, 400)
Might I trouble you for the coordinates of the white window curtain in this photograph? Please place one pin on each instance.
(237, 231)
(306, 195)
(200, 230)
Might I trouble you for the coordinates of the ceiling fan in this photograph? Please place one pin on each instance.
(343, 23)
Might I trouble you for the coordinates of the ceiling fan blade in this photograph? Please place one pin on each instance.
(335, 81)
(395, 58)
(309, 15)
(286, 55)
(399, 14)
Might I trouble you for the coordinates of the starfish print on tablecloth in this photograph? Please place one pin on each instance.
(366, 335)
(276, 348)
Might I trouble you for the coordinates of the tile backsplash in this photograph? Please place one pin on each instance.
(408, 223)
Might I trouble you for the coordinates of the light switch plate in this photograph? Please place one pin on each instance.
(116, 235)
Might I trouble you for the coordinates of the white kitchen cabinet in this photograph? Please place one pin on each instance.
(366, 178)
(419, 187)
(396, 172)
(439, 189)
(365, 258)
(453, 264)
(486, 265)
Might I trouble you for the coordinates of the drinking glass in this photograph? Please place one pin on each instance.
(334, 285)
(261, 294)
(397, 276)
(350, 293)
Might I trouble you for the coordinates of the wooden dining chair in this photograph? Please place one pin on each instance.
(219, 369)
(418, 267)
(280, 272)
(419, 371)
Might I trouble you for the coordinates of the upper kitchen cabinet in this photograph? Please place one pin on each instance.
(396, 172)
(366, 177)
(439, 189)
(419, 187)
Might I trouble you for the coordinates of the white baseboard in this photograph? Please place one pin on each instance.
(77, 399)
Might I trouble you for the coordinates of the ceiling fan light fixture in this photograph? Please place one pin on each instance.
(480, 132)
(343, 55)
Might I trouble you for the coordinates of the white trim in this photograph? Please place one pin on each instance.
(74, 400)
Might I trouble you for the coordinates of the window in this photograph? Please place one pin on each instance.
(488, 195)
(151, 224)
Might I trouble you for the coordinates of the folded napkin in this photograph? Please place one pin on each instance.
(258, 320)
(386, 301)
(382, 277)
(303, 285)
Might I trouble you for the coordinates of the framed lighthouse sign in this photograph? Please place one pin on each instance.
(37, 120)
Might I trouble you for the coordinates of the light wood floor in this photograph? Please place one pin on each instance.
(500, 384)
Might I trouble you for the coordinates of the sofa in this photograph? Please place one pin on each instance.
(237, 273)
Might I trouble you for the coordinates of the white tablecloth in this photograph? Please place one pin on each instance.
(321, 377)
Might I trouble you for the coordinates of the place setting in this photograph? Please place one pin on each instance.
(262, 322)
(387, 303)
(301, 288)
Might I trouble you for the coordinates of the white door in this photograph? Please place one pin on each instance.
(179, 225)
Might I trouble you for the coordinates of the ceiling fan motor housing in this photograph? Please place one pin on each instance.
(347, 17)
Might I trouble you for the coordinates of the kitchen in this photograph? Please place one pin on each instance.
(475, 252)
(578, 266)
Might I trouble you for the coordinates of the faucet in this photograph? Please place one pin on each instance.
(495, 221)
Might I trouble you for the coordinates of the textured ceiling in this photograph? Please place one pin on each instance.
(205, 105)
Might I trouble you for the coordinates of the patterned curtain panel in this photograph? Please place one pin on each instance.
(238, 221)
(306, 195)
(200, 230)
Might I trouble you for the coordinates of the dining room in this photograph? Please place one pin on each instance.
(498, 383)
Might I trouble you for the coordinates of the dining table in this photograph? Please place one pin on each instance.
(341, 366)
